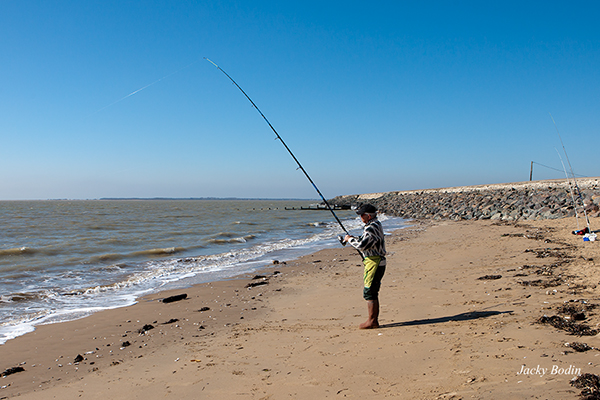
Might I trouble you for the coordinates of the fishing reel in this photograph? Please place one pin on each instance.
(342, 240)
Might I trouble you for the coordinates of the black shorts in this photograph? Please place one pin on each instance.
(374, 271)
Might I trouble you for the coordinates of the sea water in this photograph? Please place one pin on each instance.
(62, 260)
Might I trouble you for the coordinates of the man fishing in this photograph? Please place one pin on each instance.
(372, 245)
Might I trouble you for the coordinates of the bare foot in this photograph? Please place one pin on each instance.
(369, 325)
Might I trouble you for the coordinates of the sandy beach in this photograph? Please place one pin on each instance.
(462, 306)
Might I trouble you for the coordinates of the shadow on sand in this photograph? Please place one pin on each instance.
(459, 317)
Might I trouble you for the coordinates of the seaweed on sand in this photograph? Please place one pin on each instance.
(590, 385)
(568, 325)
(580, 347)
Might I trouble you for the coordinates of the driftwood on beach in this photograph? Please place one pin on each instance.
(508, 202)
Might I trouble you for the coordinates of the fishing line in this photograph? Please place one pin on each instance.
(300, 167)
(139, 90)
(563, 146)
(556, 169)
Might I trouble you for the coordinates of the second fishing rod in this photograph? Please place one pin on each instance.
(300, 167)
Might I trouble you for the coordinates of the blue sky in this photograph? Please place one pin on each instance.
(370, 96)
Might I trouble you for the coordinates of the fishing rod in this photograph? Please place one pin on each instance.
(574, 179)
(300, 167)
(570, 188)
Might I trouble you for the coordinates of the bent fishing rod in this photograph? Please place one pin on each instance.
(300, 167)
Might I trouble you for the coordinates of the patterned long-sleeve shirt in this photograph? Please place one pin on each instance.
(371, 242)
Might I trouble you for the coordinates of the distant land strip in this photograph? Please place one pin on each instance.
(206, 198)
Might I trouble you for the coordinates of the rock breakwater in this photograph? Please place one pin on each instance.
(550, 199)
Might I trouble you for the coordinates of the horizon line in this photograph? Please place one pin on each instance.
(167, 198)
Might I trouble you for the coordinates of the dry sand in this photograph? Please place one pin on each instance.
(445, 334)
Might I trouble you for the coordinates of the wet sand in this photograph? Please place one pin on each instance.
(461, 305)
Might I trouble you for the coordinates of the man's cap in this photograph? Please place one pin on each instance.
(366, 209)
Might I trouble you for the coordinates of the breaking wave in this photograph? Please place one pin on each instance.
(137, 254)
(229, 237)
(17, 251)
